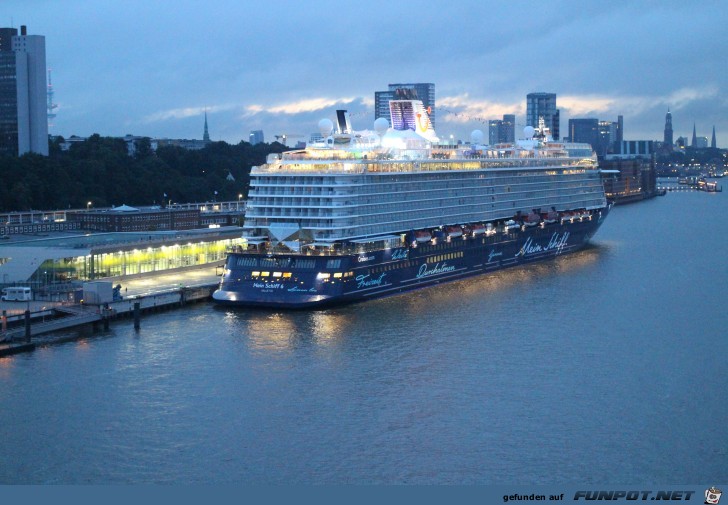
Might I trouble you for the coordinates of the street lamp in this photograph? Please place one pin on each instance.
(88, 205)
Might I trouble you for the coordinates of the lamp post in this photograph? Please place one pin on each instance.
(240, 195)
(88, 206)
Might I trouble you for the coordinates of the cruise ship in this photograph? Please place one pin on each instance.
(360, 215)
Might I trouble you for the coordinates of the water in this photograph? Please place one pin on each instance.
(607, 366)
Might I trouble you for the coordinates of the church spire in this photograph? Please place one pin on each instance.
(206, 135)
(668, 130)
(694, 143)
(712, 142)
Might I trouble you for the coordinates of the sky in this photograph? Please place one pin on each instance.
(152, 68)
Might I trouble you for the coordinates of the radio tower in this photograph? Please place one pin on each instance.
(51, 106)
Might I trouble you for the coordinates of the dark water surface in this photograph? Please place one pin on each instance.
(607, 366)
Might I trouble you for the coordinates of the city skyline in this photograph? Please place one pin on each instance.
(145, 69)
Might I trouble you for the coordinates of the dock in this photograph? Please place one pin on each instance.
(148, 294)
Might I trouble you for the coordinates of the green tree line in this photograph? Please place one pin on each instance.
(99, 170)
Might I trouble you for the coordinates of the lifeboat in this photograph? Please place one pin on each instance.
(511, 225)
(551, 216)
(453, 231)
(533, 219)
(423, 236)
(478, 229)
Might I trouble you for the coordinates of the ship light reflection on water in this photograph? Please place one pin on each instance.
(283, 332)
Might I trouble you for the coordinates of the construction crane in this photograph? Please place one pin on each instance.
(283, 137)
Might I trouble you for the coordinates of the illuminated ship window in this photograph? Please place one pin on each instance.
(277, 274)
(337, 275)
(265, 274)
(286, 275)
(255, 274)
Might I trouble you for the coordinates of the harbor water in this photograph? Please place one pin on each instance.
(607, 366)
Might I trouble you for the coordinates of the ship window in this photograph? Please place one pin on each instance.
(255, 274)
(277, 274)
(265, 274)
(337, 275)
(286, 275)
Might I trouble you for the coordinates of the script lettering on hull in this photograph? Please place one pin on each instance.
(557, 242)
(437, 269)
(363, 281)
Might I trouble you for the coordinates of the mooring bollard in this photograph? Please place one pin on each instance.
(27, 325)
(136, 315)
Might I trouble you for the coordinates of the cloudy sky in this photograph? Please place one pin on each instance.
(152, 67)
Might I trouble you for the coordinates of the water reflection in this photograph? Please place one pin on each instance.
(281, 332)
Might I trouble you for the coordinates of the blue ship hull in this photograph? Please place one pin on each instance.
(308, 281)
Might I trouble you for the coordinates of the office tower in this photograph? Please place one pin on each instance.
(405, 91)
(694, 143)
(508, 128)
(256, 137)
(584, 130)
(502, 130)
(23, 88)
(607, 137)
(620, 129)
(668, 129)
(712, 141)
(543, 105)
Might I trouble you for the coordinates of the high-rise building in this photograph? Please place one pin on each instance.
(584, 130)
(607, 137)
(668, 129)
(405, 91)
(694, 143)
(23, 88)
(620, 129)
(502, 130)
(712, 141)
(256, 137)
(543, 105)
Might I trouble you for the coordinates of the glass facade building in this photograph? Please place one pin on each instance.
(543, 105)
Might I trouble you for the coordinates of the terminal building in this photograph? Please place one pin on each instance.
(54, 264)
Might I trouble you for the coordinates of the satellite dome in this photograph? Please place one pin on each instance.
(528, 131)
(381, 126)
(476, 137)
(326, 126)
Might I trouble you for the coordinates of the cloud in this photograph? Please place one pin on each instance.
(186, 112)
(463, 109)
(595, 105)
(300, 106)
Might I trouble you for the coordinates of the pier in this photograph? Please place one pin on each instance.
(688, 184)
(23, 329)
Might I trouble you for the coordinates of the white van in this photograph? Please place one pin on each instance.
(21, 294)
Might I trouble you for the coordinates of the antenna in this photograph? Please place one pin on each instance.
(51, 106)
